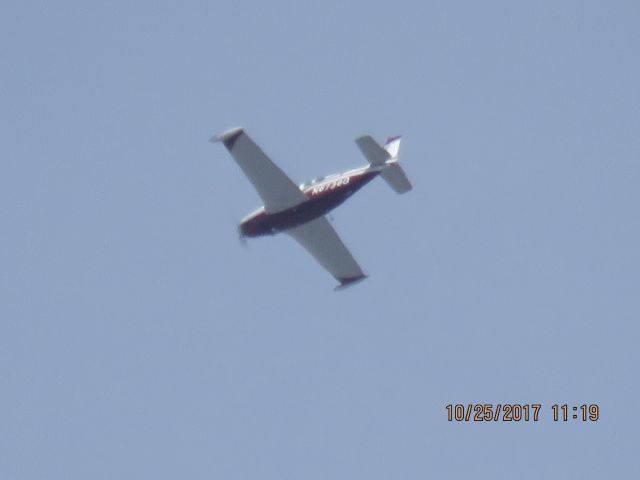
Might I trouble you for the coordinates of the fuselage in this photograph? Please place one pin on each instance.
(323, 195)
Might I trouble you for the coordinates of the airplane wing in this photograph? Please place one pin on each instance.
(277, 190)
(321, 240)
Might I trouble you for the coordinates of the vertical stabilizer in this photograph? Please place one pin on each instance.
(392, 145)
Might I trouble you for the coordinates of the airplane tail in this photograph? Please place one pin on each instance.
(386, 157)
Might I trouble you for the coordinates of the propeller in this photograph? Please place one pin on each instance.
(241, 237)
(242, 240)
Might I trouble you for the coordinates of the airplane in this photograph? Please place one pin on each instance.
(300, 210)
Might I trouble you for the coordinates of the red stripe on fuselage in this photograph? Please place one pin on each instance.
(322, 198)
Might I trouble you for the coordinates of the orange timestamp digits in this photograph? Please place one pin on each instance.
(489, 412)
(520, 412)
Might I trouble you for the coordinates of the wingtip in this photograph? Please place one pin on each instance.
(349, 281)
(228, 137)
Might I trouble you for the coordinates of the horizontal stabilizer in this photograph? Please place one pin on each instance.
(396, 178)
(375, 154)
(387, 158)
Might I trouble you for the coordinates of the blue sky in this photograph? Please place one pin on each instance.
(139, 339)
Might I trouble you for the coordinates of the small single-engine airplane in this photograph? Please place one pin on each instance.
(300, 210)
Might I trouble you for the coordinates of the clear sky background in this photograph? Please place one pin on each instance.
(138, 339)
